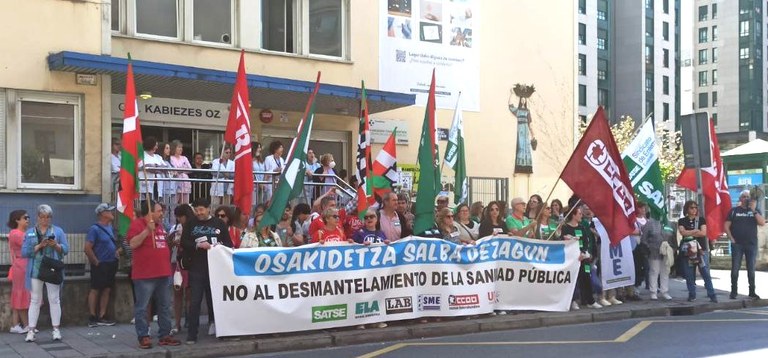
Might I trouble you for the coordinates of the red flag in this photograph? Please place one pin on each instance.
(717, 200)
(596, 173)
(130, 156)
(238, 134)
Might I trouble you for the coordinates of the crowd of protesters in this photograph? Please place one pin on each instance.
(167, 241)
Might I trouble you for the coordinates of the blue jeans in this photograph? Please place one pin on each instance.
(749, 252)
(690, 276)
(157, 289)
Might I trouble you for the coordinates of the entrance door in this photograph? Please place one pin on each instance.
(333, 142)
(194, 140)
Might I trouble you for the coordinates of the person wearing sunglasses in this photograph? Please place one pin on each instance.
(369, 234)
(741, 227)
(332, 231)
(447, 227)
(694, 247)
(492, 223)
(18, 222)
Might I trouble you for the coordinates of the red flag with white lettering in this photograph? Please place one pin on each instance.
(596, 173)
(717, 199)
(238, 134)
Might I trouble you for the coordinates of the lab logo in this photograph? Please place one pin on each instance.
(429, 302)
(458, 302)
(367, 309)
(397, 305)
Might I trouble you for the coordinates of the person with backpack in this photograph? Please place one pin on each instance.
(102, 252)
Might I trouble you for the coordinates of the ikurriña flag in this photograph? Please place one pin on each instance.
(130, 156)
(385, 167)
(238, 134)
(597, 175)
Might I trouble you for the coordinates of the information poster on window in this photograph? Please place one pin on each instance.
(417, 36)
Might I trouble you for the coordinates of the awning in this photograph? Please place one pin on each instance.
(757, 146)
(204, 84)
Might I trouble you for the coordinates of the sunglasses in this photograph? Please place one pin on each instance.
(222, 216)
(335, 216)
(25, 217)
(370, 217)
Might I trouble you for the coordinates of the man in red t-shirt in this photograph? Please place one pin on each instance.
(150, 272)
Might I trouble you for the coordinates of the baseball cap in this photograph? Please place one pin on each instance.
(104, 207)
(517, 200)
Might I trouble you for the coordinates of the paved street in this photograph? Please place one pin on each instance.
(732, 336)
(728, 333)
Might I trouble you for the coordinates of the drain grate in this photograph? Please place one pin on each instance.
(682, 311)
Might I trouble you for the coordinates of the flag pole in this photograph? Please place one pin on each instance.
(576, 205)
(541, 210)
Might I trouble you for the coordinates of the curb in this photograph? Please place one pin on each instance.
(315, 340)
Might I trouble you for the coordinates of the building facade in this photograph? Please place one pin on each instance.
(61, 94)
(729, 68)
(629, 59)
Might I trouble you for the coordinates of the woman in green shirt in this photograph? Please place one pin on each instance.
(573, 230)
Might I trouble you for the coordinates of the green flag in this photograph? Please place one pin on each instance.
(641, 158)
(429, 168)
(454, 156)
(291, 182)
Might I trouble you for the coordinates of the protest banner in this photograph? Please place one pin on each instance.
(617, 264)
(272, 290)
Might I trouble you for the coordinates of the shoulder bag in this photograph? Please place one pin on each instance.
(51, 269)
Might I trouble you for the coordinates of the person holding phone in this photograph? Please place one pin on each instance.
(741, 228)
(44, 239)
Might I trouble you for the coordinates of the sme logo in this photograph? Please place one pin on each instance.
(456, 302)
(429, 302)
(396, 305)
(329, 313)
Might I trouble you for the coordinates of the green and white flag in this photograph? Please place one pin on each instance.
(454, 155)
(641, 158)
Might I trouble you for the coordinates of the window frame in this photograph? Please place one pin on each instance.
(189, 31)
(58, 98)
(133, 28)
(304, 40)
(705, 32)
(703, 78)
(702, 60)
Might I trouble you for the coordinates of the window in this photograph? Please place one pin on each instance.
(665, 84)
(665, 6)
(601, 15)
(744, 28)
(649, 4)
(277, 25)
(582, 95)
(602, 97)
(703, 79)
(582, 6)
(602, 39)
(703, 35)
(212, 21)
(115, 8)
(583, 119)
(703, 13)
(714, 33)
(703, 100)
(714, 54)
(714, 77)
(602, 69)
(649, 106)
(326, 27)
(744, 53)
(666, 58)
(665, 108)
(649, 83)
(703, 56)
(714, 11)
(649, 26)
(649, 54)
(582, 64)
(582, 34)
(49, 141)
(714, 119)
(665, 30)
(714, 99)
(157, 17)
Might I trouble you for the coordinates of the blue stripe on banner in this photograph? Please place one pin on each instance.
(318, 259)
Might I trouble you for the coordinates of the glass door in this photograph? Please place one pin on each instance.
(209, 144)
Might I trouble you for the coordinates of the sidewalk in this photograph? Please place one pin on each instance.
(120, 340)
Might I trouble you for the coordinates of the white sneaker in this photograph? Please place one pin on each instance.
(654, 296)
(18, 329)
(361, 326)
(30, 336)
(614, 301)
(595, 305)
(56, 334)
(212, 329)
(133, 320)
(604, 302)
(575, 306)
(666, 296)
(154, 318)
(381, 325)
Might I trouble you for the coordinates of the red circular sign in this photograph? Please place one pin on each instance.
(266, 116)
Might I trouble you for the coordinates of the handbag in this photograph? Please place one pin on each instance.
(51, 269)
(177, 278)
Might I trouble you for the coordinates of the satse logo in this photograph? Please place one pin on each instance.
(456, 302)
(429, 302)
(367, 309)
(396, 305)
(597, 156)
(329, 313)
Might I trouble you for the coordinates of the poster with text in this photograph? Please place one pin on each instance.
(419, 35)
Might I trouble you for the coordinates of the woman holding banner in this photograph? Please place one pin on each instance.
(468, 229)
(492, 223)
(573, 230)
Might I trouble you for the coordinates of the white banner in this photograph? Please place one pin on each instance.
(271, 290)
(418, 36)
(617, 264)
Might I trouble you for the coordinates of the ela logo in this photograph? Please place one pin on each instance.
(329, 313)
(456, 302)
(367, 309)
(429, 302)
(397, 305)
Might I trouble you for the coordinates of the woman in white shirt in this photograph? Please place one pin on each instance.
(222, 168)
(151, 160)
(274, 163)
(258, 166)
